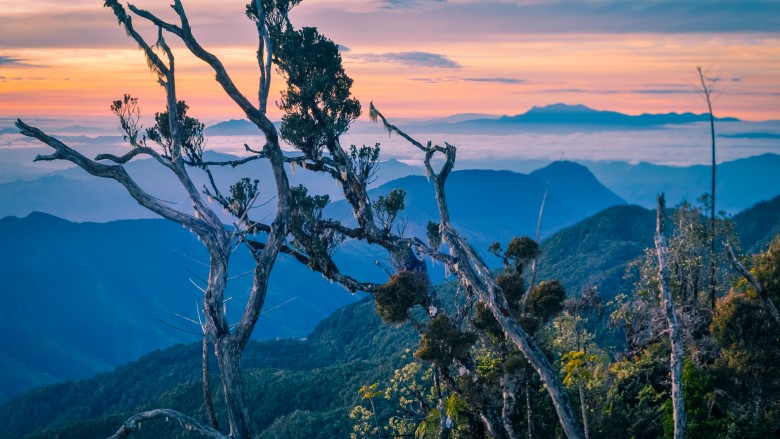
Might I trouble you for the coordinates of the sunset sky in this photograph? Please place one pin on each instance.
(420, 58)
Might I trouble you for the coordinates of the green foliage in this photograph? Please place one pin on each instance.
(364, 162)
(129, 114)
(434, 234)
(546, 300)
(749, 364)
(634, 398)
(705, 419)
(401, 292)
(317, 104)
(485, 321)
(190, 132)
(308, 233)
(518, 252)
(443, 342)
(242, 195)
(513, 286)
(387, 208)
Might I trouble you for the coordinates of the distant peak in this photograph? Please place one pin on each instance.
(560, 108)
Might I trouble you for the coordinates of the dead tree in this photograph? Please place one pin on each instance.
(673, 326)
(318, 109)
(706, 91)
(228, 340)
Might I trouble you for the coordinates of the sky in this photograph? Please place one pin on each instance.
(415, 58)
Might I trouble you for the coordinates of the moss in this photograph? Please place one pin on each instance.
(443, 342)
(401, 292)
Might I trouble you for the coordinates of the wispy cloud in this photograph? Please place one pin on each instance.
(396, 4)
(12, 61)
(411, 59)
(496, 80)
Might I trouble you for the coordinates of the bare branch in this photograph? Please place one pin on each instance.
(132, 154)
(185, 421)
(769, 305)
(114, 172)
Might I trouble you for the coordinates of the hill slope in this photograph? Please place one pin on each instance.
(87, 297)
(320, 375)
(740, 183)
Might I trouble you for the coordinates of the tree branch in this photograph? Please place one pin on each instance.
(135, 422)
(769, 305)
(114, 172)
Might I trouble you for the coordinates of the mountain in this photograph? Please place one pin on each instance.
(564, 118)
(597, 250)
(121, 280)
(318, 376)
(234, 127)
(740, 183)
(296, 384)
(87, 297)
(75, 195)
(488, 206)
(758, 225)
(580, 114)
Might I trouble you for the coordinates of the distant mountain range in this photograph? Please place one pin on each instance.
(74, 195)
(740, 183)
(554, 114)
(562, 118)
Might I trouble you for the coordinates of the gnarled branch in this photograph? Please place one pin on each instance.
(185, 421)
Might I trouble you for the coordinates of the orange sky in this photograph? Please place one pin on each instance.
(416, 58)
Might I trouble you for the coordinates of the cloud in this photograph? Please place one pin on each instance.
(12, 61)
(496, 80)
(426, 80)
(411, 59)
(396, 4)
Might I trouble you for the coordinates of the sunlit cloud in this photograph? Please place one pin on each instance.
(411, 59)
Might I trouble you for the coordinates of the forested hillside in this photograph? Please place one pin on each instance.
(299, 384)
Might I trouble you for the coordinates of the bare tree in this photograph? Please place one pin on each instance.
(707, 87)
(673, 326)
(318, 109)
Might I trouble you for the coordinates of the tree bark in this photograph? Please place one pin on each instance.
(509, 384)
(584, 410)
(207, 401)
(675, 337)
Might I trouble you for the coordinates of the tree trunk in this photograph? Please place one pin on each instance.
(528, 409)
(675, 338)
(584, 410)
(233, 388)
(509, 383)
(492, 424)
(706, 90)
(207, 401)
